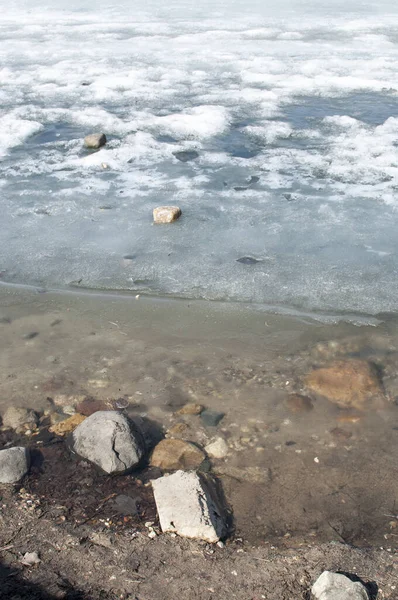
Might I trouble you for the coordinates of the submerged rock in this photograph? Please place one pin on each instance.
(218, 448)
(186, 155)
(19, 418)
(166, 214)
(211, 418)
(14, 464)
(350, 383)
(248, 260)
(334, 586)
(297, 403)
(190, 409)
(188, 505)
(172, 455)
(95, 140)
(110, 441)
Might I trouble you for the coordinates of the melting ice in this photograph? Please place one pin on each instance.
(288, 114)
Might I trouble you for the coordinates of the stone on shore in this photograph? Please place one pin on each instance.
(95, 140)
(172, 455)
(110, 441)
(166, 214)
(19, 418)
(217, 449)
(187, 504)
(14, 464)
(334, 586)
(350, 383)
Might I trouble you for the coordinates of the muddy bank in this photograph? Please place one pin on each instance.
(309, 470)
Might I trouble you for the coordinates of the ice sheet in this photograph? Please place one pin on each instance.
(292, 108)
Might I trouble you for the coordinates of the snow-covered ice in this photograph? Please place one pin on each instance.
(301, 95)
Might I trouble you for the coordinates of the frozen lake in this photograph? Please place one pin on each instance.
(292, 110)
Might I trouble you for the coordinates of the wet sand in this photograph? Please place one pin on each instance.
(291, 475)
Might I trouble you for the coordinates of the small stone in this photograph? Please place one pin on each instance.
(171, 455)
(68, 425)
(217, 449)
(297, 403)
(211, 418)
(248, 260)
(188, 505)
(126, 505)
(166, 214)
(14, 464)
(190, 409)
(334, 586)
(19, 418)
(186, 155)
(30, 558)
(110, 441)
(350, 383)
(95, 140)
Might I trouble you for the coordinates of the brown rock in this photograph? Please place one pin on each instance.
(350, 383)
(172, 455)
(67, 426)
(297, 403)
(341, 434)
(190, 409)
(178, 429)
(166, 214)
(89, 406)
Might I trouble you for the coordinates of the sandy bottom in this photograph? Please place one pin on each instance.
(311, 484)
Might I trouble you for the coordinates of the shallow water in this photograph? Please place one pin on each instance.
(291, 477)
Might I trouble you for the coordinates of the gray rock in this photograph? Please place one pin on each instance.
(95, 140)
(211, 418)
(334, 586)
(19, 418)
(110, 441)
(187, 504)
(14, 464)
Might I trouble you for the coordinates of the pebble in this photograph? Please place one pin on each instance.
(166, 214)
(95, 140)
(191, 409)
(19, 418)
(297, 403)
(211, 418)
(186, 155)
(217, 449)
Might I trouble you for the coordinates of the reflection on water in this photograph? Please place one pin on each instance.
(298, 467)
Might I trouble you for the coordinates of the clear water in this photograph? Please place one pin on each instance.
(301, 96)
